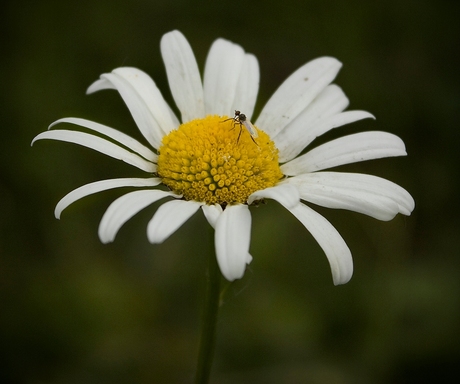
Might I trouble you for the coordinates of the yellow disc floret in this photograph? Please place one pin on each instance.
(204, 160)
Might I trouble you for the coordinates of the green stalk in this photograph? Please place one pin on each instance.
(210, 313)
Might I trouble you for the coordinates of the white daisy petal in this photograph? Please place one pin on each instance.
(99, 85)
(98, 144)
(144, 85)
(125, 207)
(247, 87)
(222, 71)
(329, 102)
(169, 217)
(144, 100)
(296, 93)
(99, 186)
(333, 245)
(148, 91)
(212, 213)
(113, 134)
(183, 75)
(232, 239)
(285, 194)
(367, 194)
(345, 150)
(296, 142)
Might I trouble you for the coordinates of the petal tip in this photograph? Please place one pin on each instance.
(343, 277)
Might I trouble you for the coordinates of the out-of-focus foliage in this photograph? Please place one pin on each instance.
(76, 311)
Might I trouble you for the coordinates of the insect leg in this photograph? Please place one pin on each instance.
(241, 130)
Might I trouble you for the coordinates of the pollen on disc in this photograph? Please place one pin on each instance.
(212, 161)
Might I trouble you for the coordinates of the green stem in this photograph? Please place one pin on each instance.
(210, 312)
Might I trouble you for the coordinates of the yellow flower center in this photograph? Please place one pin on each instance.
(204, 160)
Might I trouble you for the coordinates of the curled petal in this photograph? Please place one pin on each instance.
(333, 245)
(150, 111)
(183, 75)
(98, 144)
(367, 194)
(113, 134)
(100, 186)
(285, 194)
(232, 239)
(348, 149)
(168, 218)
(125, 207)
(296, 93)
(100, 84)
(212, 213)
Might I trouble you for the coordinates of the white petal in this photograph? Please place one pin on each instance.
(113, 134)
(100, 186)
(333, 245)
(296, 93)
(183, 75)
(222, 71)
(125, 207)
(212, 213)
(99, 85)
(285, 194)
(296, 142)
(144, 100)
(168, 218)
(98, 144)
(232, 239)
(367, 194)
(348, 149)
(330, 101)
(247, 87)
(145, 87)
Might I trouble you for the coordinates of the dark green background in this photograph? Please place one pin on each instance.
(75, 311)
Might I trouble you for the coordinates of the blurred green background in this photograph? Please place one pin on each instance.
(75, 311)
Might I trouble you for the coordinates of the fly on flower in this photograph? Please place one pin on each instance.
(242, 120)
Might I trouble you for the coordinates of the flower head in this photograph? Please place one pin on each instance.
(223, 164)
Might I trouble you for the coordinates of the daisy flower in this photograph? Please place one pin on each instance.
(216, 160)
